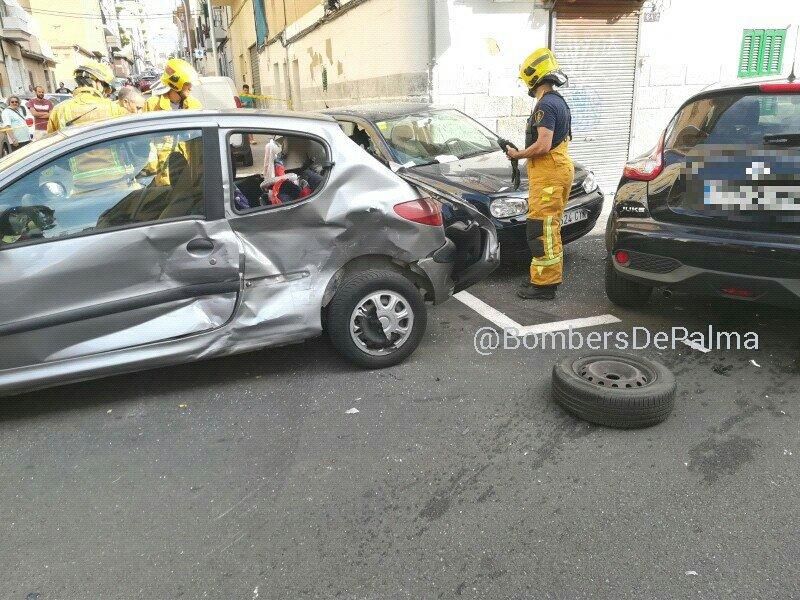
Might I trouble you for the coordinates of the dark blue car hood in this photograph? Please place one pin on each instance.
(487, 174)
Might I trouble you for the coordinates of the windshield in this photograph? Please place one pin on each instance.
(735, 119)
(436, 136)
(28, 150)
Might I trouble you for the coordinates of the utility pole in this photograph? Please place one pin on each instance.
(187, 15)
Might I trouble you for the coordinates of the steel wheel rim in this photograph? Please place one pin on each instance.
(395, 315)
(615, 372)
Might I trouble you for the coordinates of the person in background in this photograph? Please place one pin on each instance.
(248, 101)
(18, 133)
(130, 99)
(246, 98)
(62, 89)
(40, 108)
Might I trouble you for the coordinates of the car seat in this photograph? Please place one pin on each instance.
(402, 138)
(184, 197)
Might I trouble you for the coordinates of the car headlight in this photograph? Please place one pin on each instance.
(590, 183)
(503, 208)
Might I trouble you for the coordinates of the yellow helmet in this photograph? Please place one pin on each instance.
(540, 66)
(96, 70)
(177, 73)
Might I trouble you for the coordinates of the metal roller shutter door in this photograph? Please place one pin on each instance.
(254, 70)
(596, 44)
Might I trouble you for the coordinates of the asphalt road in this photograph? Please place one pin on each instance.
(458, 478)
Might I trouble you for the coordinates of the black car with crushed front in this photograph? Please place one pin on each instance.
(455, 154)
(714, 209)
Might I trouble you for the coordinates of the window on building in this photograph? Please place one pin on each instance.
(762, 52)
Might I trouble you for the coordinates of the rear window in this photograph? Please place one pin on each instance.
(734, 119)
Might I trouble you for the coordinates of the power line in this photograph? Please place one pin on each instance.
(54, 13)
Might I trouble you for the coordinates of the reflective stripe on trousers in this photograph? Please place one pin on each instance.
(550, 180)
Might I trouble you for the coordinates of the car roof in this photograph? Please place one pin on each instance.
(182, 115)
(380, 112)
(737, 84)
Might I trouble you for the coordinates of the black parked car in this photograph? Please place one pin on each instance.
(714, 209)
(457, 155)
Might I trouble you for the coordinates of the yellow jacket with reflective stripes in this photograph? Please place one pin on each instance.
(87, 105)
(168, 145)
(95, 168)
(162, 103)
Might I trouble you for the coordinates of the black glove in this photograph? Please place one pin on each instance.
(515, 176)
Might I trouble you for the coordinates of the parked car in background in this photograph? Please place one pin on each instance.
(455, 154)
(190, 261)
(58, 98)
(714, 209)
(145, 82)
(219, 93)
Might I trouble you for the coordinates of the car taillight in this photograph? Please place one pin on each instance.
(779, 88)
(238, 101)
(647, 168)
(422, 210)
(622, 258)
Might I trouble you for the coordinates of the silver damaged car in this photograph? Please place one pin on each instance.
(144, 241)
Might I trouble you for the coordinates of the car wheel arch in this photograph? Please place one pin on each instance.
(375, 261)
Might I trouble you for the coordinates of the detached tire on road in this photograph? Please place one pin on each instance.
(614, 389)
(376, 318)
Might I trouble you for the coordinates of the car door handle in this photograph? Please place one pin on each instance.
(200, 246)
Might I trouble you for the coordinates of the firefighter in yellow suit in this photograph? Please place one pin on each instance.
(89, 102)
(172, 93)
(550, 172)
(102, 167)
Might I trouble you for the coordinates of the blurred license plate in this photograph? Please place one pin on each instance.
(573, 216)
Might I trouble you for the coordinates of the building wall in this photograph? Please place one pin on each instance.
(710, 34)
(38, 71)
(362, 64)
(480, 45)
(58, 30)
(67, 58)
(242, 30)
(295, 10)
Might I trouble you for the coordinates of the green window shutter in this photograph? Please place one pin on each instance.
(772, 56)
(752, 42)
(762, 52)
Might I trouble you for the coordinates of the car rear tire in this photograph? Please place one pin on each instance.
(614, 389)
(624, 292)
(376, 319)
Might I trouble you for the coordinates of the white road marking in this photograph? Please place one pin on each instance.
(505, 322)
(569, 324)
(487, 312)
